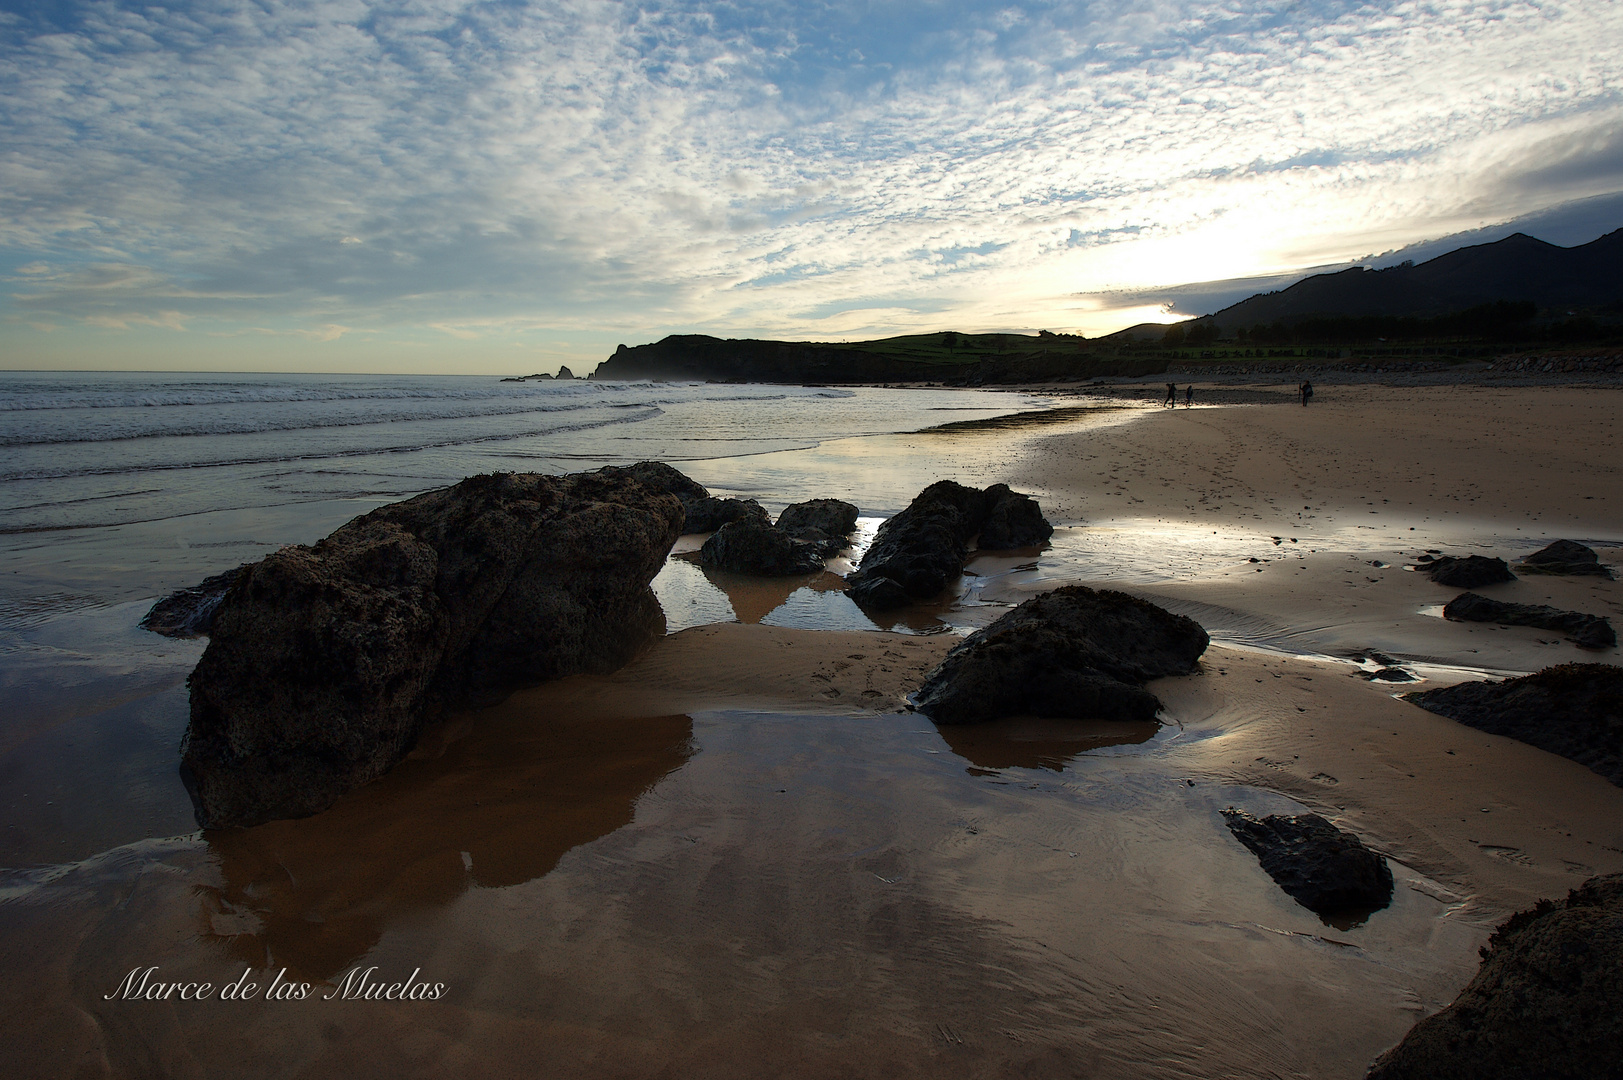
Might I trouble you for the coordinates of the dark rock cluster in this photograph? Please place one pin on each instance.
(921, 549)
(805, 535)
(1590, 631)
(1073, 652)
(1327, 870)
(324, 662)
(1543, 1005)
(1575, 710)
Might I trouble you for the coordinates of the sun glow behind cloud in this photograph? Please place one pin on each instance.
(460, 181)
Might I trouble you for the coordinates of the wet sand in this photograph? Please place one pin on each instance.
(741, 856)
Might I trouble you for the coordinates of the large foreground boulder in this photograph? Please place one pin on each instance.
(1543, 1005)
(1565, 557)
(1471, 572)
(1590, 631)
(702, 512)
(1074, 652)
(1575, 710)
(917, 552)
(325, 662)
(1327, 870)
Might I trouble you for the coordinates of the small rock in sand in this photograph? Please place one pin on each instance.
(1327, 870)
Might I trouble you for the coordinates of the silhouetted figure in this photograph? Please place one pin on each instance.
(1307, 391)
(1189, 395)
(1172, 395)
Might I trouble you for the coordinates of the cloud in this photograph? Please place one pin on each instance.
(763, 167)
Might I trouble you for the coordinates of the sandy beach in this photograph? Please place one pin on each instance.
(742, 856)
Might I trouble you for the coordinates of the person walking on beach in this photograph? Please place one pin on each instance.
(1189, 396)
(1172, 395)
(1307, 390)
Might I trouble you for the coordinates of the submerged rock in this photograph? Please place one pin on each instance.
(324, 662)
(1544, 1003)
(1327, 870)
(190, 612)
(1471, 572)
(921, 549)
(750, 546)
(1590, 631)
(828, 523)
(1575, 710)
(1074, 652)
(1565, 557)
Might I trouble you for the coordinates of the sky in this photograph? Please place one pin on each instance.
(503, 187)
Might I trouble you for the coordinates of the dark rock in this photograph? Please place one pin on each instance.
(827, 522)
(1575, 710)
(702, 512)
(565, 373)
(1012, 520)
(324, 662)
(1543, 1005)
(711, 513)
(921, 548)
(1590, 631)
(1074, 652)
(1325, 869)
(749, 546)
(190, 612)
(924, 547)
(1564, 557)
(1471, 572)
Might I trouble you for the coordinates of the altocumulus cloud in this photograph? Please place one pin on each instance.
(491, 169)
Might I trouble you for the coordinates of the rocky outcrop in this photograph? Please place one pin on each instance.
(1327, 870)
(921, 549)
(1575, 710)
(1565, 557)
(1590, 631)
(1471, 572)
(1074, 652)
(828, 523)
(190, 612)
(325, 661)
(762, 549)
(1543, 1004)
(702, 512)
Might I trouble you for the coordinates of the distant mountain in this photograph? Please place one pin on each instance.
(1517, 268)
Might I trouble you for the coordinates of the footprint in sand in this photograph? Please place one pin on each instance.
(1509, 854)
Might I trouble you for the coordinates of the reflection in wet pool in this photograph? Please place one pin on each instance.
(845, 895)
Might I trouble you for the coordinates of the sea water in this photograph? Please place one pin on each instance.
(118, 488)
